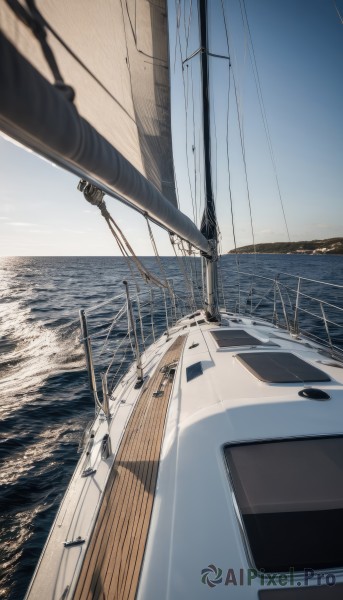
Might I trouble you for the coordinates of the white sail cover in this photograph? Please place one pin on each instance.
(116, 131)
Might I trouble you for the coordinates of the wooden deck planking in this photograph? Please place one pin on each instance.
(113, 559)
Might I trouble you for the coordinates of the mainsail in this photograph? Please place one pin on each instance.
(86, 84)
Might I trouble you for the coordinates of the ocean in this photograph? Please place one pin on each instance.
(45, 399)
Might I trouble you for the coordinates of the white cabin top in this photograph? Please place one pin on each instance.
(195, 522)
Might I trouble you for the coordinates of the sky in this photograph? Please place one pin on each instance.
(298, 47)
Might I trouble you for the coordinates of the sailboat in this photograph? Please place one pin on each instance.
(216, 461)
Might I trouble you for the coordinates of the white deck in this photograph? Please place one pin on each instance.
(194, 522)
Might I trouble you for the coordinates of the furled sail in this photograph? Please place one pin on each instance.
(86, 84)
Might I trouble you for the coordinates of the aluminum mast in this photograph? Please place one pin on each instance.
(209, 220)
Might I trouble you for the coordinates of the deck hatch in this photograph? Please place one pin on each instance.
(227, 338)
(290, 497)
(280, 367)
(194, 371)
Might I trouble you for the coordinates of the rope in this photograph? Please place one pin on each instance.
(158, 258)
(95, 196)
(182, 269)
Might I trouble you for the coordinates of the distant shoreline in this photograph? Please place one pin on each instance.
(314, 247)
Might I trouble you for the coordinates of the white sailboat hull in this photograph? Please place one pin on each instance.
(195, 523)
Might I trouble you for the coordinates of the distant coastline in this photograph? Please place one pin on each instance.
(327, 246)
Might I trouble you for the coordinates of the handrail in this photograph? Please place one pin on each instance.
(328, 283)
(288, 303)
(336, 285)
(311, 297)
(252, 274)
(153, 307)
(272, 298)
(320, 318)
(94, 307)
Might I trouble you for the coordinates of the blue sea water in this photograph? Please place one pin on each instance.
(45, 402)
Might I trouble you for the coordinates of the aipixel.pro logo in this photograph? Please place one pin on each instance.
(211, 576)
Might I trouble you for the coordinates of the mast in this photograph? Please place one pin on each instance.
(209, 219)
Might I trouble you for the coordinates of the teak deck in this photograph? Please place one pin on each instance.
(113, 559)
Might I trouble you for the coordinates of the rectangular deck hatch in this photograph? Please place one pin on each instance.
(194, 371)
(280, 367)
(290, 498)
(226, 338)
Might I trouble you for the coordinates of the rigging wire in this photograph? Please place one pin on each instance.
(117, 317)
(198, 283)
(179, 45)
(241, 134)
(158, 258)
(178, 17)
(190, 262)
(186, 99)
(118, 370)
(188, 27)
(252, 55)
(197, 209)
(215, 153)
(220, 273)
(229, 170)
(183, 271)
(162, 270)
(339, 14)
(185, 261)
(229, 164)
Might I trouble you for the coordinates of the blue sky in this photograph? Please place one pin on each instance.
(299, 51)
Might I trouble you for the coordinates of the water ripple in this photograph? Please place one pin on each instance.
(45, 399)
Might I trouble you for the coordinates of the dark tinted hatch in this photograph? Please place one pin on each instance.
(280, 367)
(193, 371)
(234, 337)
(290, 496)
